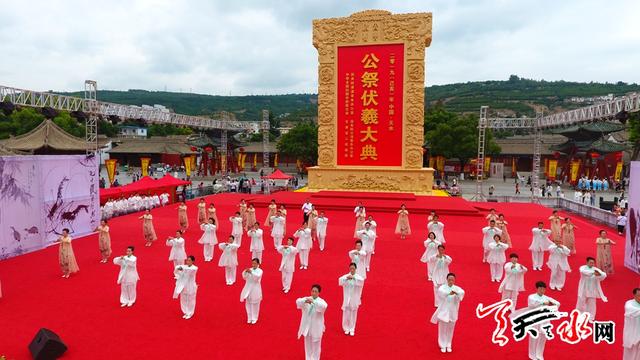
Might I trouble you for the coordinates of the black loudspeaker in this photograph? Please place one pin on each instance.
(46, 345)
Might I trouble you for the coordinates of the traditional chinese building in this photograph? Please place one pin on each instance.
(46, 139)
(590, 151)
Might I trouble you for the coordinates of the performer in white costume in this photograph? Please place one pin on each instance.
(487, 237)
(229, 259)
(312, 322)
(558, 264)
(539, 244)
(367, 236)
(186, 287)
(257, 245)
(304, 245)
(496, 257)
(236, 227)
(252, 292)
(373, 226)
(536, 344)
(357, 257)
(209, 239)
(440, 264)
(127, 277)
(277, 229)
(178, 253)
(430, 249)
(287, 264)
(589, 288)
(321, 229)
(446, 314)
(513, 281)
(437, 228)
(352, 284)
(631, 333)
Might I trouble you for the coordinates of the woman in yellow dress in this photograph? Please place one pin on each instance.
(148, 231)
(502, 225)
(202, 211)
(313, 222)
(272, 212)
(66, 258)
(251, 217)
(211, 211)
(556, 226)
(604, 261)
(104, 241)
(402, 227)
(183, 220)
(242, 208)
(568, 235)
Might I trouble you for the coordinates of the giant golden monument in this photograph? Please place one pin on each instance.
(371, 102)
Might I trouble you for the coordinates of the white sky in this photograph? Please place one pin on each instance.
(241, 47)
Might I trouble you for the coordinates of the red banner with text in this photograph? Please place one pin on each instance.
(370, 88)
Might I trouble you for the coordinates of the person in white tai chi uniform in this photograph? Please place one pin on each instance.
(177, 254)
(437, 228)
(631, 333)
(539, 244)
(536, 344)
(312, 322)
(209, 238)
(589, 288)
(186, 287)
(236, 227)
(252, 292)
(127, 277)
(277, 229)
(430, 249)
(321, 229)
(367, 236)
(374, 227)
(496, 257)
(352, 284)
(229, 259)
(304, 245)
(446, 314)
(558, 264)
(513, 281)
(440, 264)
(357, 257)
(287, 264)
(257, 245)
(487, 237)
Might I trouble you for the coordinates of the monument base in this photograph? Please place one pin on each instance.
(417, 181)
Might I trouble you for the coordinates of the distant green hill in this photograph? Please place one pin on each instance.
(513, 97)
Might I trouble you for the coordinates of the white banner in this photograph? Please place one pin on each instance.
(41, 195)
(632, 247)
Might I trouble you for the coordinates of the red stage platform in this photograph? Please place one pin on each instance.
(374, 202)
(393, 321)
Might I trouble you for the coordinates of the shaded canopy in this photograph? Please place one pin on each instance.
(144, 185)
(278, 175)
(46, 137)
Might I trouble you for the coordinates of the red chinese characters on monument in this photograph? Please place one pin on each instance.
(370, 92)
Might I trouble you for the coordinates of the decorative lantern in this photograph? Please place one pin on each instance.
(595, 155)
(193, 148)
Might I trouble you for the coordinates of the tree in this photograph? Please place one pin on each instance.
(274, 125)
(458, 138)
(301, 142)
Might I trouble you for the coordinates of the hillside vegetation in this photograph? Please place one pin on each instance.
(512, 97)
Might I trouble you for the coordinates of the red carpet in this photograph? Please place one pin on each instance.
(392, 323)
